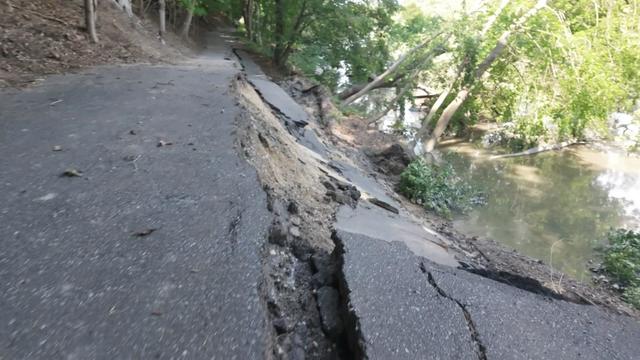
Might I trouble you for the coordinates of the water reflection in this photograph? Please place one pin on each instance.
(554, 206)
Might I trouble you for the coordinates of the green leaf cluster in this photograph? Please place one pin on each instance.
(436, 187)
(622, 262)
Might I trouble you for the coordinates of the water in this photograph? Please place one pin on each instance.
(554, 206)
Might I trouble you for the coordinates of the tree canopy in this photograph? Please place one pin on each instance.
(556, 69)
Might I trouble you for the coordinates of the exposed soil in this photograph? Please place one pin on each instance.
(300, 283)
(44, 37)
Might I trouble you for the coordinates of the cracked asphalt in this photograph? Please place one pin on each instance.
(154, 251)
(409, 307)
(410, 301)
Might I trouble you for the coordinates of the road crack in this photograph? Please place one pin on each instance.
(481, 350)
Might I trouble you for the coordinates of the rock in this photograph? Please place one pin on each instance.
(278, 233)
(328, 304)
(339, 197)
(57, 148)
(329, 186)
(354, 193)
(293, 207)
(294, 231)
(282, 325)
(295, 220)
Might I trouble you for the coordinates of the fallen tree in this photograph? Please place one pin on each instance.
(430, 143)
(539, 149)
(391, 70)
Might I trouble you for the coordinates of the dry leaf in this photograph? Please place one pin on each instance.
(71, 172)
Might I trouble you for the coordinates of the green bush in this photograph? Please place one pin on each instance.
(622, 263)
(632, 296)
(435, 187)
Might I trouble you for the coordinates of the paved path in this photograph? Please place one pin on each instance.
(76, 282)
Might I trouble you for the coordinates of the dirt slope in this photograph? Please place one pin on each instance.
(47, 37)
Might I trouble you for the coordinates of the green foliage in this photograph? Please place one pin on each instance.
(622, 257)
(622, 263)
(435, 187)
(632, 296)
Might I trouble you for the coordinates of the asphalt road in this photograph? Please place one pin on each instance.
(154, 251)
(409, 307)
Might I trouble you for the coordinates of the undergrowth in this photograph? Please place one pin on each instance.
(436, 187)
(622, 263)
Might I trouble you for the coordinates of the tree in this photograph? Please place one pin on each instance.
(190, 6)
(248, 8)
(445, 93)
(463, 94)
(391, 70)
(90, 16)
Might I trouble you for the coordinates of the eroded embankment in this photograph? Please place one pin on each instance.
(359, 291)
(300, 289)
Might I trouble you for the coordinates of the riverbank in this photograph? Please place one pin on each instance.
(387, 279)
(385, 157)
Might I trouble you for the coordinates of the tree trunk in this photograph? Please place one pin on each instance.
(279, 35)
(423, 132)
(463, 94)
(187, 21)
(162, 13)
(539, 149)
(380, 78)
(90, 19)
(247, 14)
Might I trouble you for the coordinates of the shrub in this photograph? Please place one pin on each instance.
(622, 263)
(632, 296)
(435, 187)
(622, 257)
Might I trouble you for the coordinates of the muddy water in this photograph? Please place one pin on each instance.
(554, 206)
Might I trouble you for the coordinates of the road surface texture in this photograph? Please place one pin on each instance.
(154, 251)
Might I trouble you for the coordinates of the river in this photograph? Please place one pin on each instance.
(554, 206)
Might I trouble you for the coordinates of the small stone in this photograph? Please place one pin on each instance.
(281, 325)
(278, 234)
(295, 231)
(57, 148)
(295, 220)
(292, 207)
